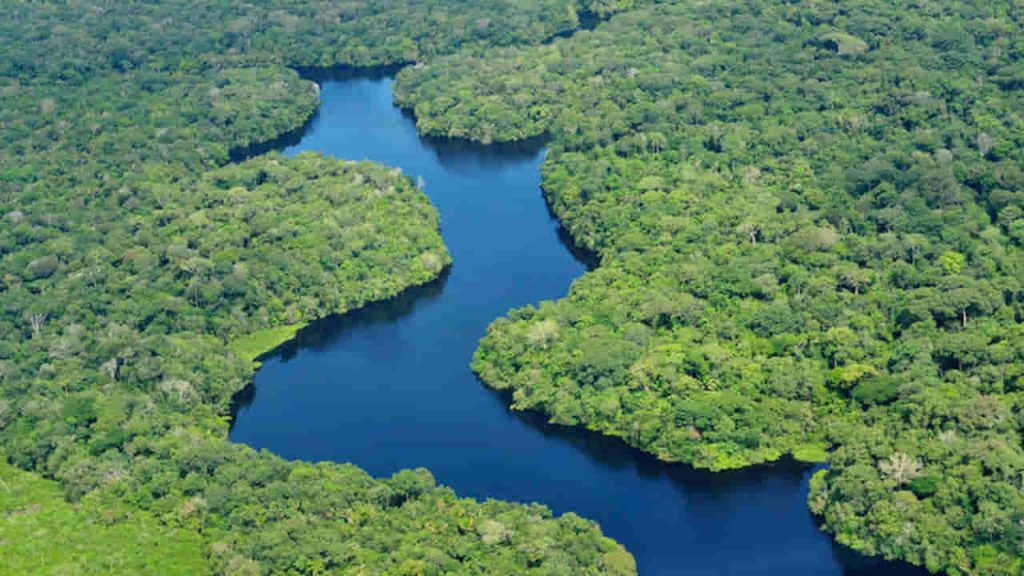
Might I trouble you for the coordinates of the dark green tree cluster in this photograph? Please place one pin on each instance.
(810, 219)
(141, 273)
(71, 41)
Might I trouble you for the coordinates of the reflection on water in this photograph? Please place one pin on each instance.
(389, 386)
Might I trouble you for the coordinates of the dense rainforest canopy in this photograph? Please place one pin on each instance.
(141, 273)
(810, 219)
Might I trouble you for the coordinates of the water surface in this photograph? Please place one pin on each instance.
(389, 386)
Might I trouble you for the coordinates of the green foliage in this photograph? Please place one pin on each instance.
(252, 346)
(811, 453)
(808, 216)
(878, 390)
(141, 274)
(43, 534)
(925, 486)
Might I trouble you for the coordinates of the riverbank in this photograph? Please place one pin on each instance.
(388, 386)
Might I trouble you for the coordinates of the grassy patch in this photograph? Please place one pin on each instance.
(812, 453)
(254, 345)
(41, 533)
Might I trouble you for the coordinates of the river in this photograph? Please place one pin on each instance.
(389, 386)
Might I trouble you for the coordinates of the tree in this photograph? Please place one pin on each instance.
(899, 468)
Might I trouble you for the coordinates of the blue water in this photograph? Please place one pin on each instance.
(389, 386)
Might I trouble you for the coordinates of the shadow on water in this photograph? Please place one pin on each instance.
(582, 254)
(289, 138)
(456, 154)
(342, 73)
(614, 454)
(856, 564)
(321, 334)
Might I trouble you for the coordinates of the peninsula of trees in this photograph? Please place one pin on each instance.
(141, 273)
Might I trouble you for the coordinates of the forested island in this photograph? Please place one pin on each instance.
(808, 216)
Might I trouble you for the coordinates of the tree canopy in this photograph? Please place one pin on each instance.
(808, 216)
(141, 273)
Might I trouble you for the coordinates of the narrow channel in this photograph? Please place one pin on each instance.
(389, 386)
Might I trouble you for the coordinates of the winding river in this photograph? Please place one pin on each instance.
(389, 386)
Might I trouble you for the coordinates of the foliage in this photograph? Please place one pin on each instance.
(809, 220)
(252, 346)
(43, 534)
(141, 273)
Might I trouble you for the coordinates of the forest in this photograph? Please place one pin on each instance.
(142, 272)
(809, 218)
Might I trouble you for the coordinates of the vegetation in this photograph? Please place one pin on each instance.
(42, 534)
(252, 346)
(809, 217)
(141, 274)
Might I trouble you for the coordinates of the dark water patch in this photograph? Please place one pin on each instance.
(341, 73)
(390, 386)
(319, 334)
(285, 140)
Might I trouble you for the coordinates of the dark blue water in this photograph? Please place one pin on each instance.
(389, 386)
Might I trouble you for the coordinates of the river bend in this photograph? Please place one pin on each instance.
(389, 386)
